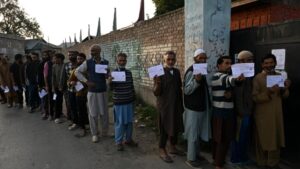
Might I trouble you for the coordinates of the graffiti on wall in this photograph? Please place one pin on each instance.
(217, 36)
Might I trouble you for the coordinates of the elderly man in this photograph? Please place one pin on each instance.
(167, 89)
(97, 90)
(123, 98)
(268, 115)
(197, 110)
(244, 108)
(223, 113)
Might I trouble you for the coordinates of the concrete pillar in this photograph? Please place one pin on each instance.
(207, 26)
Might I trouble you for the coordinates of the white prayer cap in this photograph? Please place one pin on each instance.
(198, 52)
(245, 54)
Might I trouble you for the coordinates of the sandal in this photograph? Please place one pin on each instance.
(166, 158)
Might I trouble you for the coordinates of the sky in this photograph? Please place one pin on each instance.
(60, 19)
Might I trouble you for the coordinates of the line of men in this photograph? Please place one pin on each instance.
(50, 81)
(227, 118)
(183, 107)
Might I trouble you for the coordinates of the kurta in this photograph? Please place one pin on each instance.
(169, 101)
(197, 123)
(268, 114)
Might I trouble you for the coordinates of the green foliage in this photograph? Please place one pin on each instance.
(148, 115)
(164, 6)
(14, 20)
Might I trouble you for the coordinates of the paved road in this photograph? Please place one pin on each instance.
(27, 142)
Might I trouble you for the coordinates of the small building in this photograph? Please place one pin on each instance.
(39, 45)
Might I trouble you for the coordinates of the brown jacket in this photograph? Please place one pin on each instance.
(5, 75)
(169, 101)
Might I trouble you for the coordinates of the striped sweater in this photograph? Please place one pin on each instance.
(222, 83)
(123, 92)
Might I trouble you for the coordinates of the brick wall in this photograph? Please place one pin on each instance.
(263, 14)
(145, 43)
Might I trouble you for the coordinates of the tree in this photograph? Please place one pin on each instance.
(14, 20)
(164, 6)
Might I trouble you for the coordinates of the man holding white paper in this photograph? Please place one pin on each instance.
(123, 99)
(244, 106)
(268, 114)
(223, 109)
(81, 98)
(168, 91)
(196, 115)
(97, 91)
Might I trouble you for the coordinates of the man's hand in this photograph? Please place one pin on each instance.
(73, 83)
(110, 78)
(157, 80)
(198, 77)
(274, 89)
(47, 88)
(287, 83)
(241, 78)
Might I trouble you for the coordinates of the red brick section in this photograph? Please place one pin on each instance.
(263, 14)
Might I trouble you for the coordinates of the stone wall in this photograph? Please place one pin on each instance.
(144, 43)
(11, 45)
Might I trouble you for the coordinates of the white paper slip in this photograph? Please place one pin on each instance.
(156, 71)
(42, 93)
(200, 68)
(118, 76)
(6, 89)
(54, 96)
(280, 58)
(101, 68)
(247, 69)
(275, 80)
(79, 86)
(16, 88)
